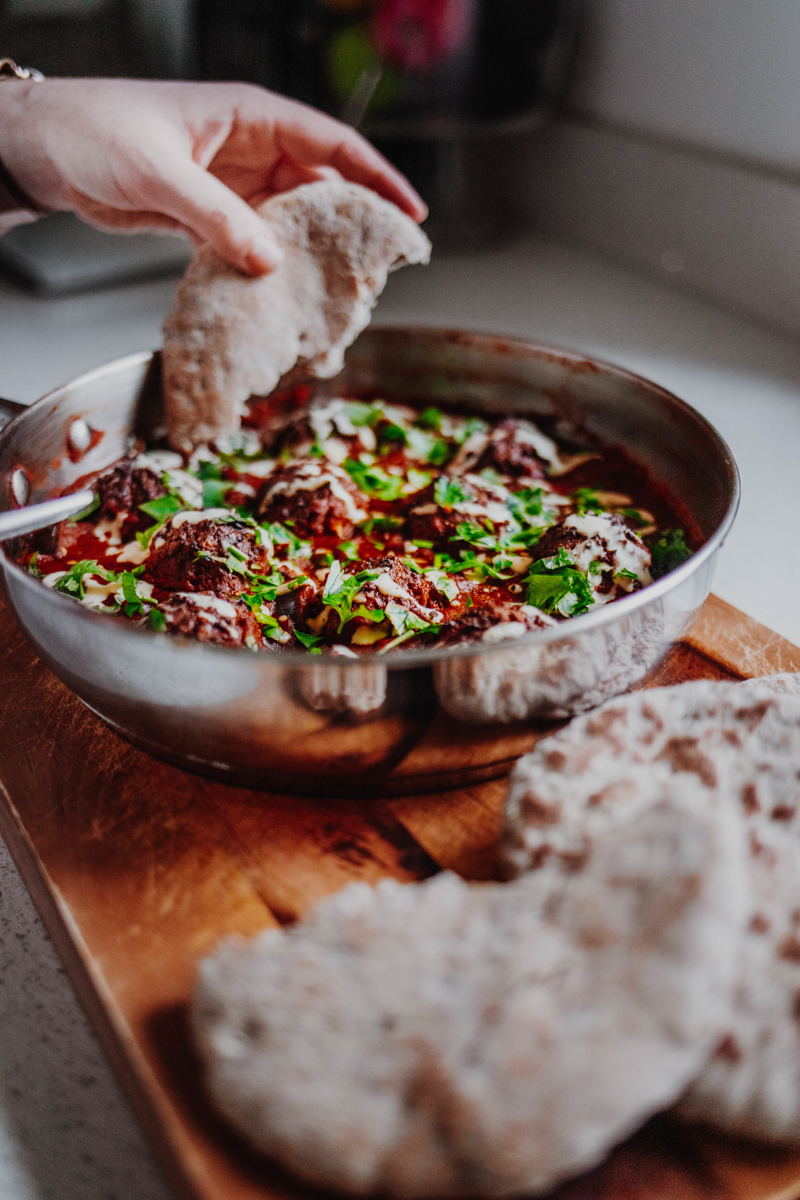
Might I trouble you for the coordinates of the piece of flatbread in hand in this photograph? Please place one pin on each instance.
(741, 743)
(443, 1038)
(230, 336)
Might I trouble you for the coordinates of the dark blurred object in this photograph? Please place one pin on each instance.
(446, 88)
(60, 254)
(90, 38)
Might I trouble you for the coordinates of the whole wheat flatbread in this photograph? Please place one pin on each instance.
(229, 336)
(741, 743)
(444, 1038)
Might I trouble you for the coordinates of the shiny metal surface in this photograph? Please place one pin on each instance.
(414, 721)
(17, 521)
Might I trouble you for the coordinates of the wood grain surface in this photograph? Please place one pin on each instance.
(138, 869)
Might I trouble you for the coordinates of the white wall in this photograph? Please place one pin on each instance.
(723, 74)
(680, 149)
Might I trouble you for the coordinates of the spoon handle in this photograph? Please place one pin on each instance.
(38, 516)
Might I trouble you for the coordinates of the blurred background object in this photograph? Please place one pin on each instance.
(445, 88)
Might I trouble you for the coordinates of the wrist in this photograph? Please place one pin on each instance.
(23, 172)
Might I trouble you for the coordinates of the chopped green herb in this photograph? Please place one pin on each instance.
(553, 584)
(160, 509)
(404, 621)
(156, 621)
(430, 418)
(473, 425)
(375, 615)
(586, 500)
(72, 581)
(423, 545)
(134, 603)
(668, 551)
(388, 434)
(476, 535)
(309, 640)
(348, 550)
(33, 565)
(364, 414)
(527, 505)
(448, 491)
(279, 535)
(446, 586)
(417, 480)
(382, 524)
(626, 574)
(271, 628)
(340, 590)
(86, 512)
(215, 491)
(374, 481)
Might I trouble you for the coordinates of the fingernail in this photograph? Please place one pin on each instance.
(265, 255)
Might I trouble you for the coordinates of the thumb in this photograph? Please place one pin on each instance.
(215, 214)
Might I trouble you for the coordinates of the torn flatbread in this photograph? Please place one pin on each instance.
(230, 336)
(741, 743)
(444, 1038)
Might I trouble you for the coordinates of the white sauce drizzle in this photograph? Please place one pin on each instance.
(193, 517)
(390, 587)
(212, 603)
(134, 553)
(110, 531)
(603, 536)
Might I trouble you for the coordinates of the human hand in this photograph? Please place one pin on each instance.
(190, 158)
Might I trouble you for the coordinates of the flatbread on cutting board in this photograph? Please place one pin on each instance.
(741, 744)
(444, 1038)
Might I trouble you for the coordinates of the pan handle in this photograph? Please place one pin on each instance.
(8, 410)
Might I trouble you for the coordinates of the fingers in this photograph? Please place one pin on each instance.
(312, 139)
(213, 213)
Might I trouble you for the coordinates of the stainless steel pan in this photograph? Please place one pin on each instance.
(412, 722)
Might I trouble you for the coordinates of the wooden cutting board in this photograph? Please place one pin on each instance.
(138, 869)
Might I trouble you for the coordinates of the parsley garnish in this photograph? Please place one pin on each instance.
(340, 590)
(309, 640)
(72, 582)
(586, 500)
(446, 586)
(473, 425)
(381, 524)
(555, 585)
(668, 552)
(161, 509)
(215, 488)
(404, 621)
(86, 512)
(364, 414)
(156, 621)
(134, 603)
(430, 418)
(374, 481)
(348, 550)
(448, 491)
(476, 535)
(526, 504)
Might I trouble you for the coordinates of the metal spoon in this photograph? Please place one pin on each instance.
(38, 516)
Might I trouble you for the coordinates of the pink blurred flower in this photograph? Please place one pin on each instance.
(418, 35)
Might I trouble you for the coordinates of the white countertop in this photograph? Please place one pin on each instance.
(65, 1130)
